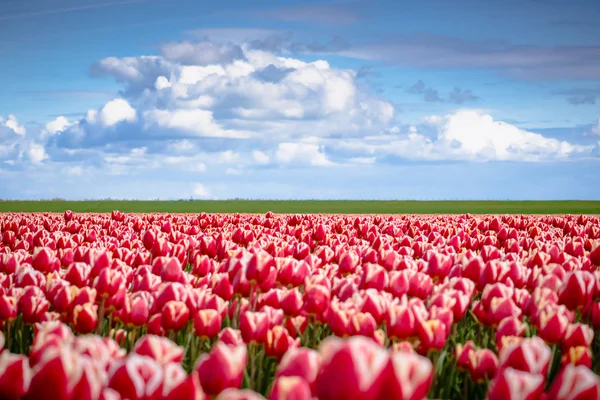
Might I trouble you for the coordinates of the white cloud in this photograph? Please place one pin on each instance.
(260, 157)
(36, 153)
(466, 135)
(301, 153)
(12, 124)
(199, 190)
(228, 157)
(198, 122)
(58, 125)
(115, 111)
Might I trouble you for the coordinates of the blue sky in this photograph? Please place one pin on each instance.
(300, 99)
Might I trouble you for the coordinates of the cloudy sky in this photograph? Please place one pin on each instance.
(425, 99)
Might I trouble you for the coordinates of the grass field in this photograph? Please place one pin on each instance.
(303, 207)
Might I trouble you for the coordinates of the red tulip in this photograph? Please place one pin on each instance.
(278, 342)
(577, 335)
(512, 384)
(316, 299)
(290, 388)
(174, 316)
(432, 334)
(509, 326)
(578, 290)
(552, 325)
(351, 369)
(177, 384)
(8, 308)
(575, 383)
(300, 362)
(222, 368)
(254, 326)
(135, 377)
(580, 355)
(528, 355)
(85, 318)
(159, 349)
(408, 376)
(15, 375)
(207, 323)
(400, 322)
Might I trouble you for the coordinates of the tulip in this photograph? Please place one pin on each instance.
(552, 325)
(85, 318)
(278, 342)
(174, 316)
(316, 299)
(575, 383)
(160, 349)
(15, 375)
(578, 290)
(8, 308)
(400, 322)
(351, 369)
(483, 365)
(290, 388)
(135, 377)
(232, 337)
(528, 355)
(512, 384)
(509, 326)
(577, 335)
(177, 385)
(254, 326)
(408, 376)
(300, 362)
(207, 323)
(222, 368)
(432, 334)
(579, 355)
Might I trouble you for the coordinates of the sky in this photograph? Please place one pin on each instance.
(180, 99)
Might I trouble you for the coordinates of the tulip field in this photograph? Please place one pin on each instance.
(293, 307)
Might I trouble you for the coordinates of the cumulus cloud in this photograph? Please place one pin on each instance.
(202, 104)
(36, 153)
(11, 124)
(466, 135)
(303, 154)
(260, 157)
(58, 125)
